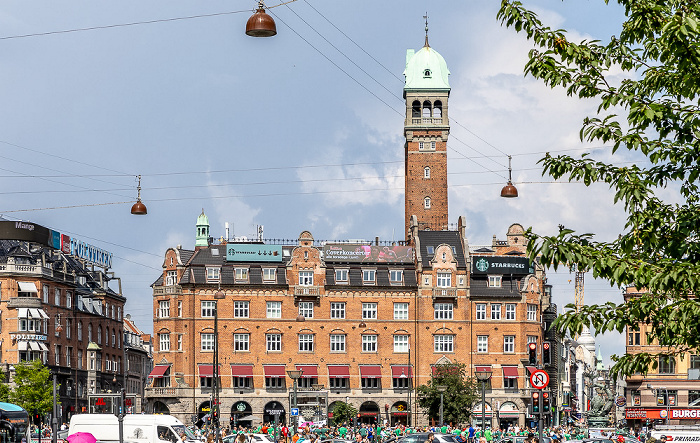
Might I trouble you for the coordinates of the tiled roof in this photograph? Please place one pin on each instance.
(479, 288)
(435, 239)
(382, 276)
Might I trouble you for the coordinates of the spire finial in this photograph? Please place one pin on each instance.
(426, 29)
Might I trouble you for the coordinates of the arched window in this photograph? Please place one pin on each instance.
(114, 339)
(426, 172)
(427, 109)
(80, 331)
(437, 110)
(426, 203)
(426, 73)
(415, 109)
(99, 335)
(89, 332)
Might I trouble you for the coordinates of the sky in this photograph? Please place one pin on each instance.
(301, 131)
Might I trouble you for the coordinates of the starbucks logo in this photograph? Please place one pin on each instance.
(240, 407)
(482, 265)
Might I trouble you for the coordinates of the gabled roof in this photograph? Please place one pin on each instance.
(436, 238)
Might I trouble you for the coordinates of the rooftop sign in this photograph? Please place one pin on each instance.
(367, 253)
(253, 252)
(501, 265)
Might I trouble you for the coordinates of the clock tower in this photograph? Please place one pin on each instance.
(426, 129)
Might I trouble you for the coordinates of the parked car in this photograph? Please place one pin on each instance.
(422, 437)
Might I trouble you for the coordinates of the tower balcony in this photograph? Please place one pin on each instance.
(428, 121)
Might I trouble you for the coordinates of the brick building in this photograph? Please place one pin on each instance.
(57, 306)
(365, 321)
(138, 355)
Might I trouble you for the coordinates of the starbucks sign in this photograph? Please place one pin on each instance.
(501, 265)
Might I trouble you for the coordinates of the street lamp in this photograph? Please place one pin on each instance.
(441, 389)
(483, 375)
(295, 374)
(218, 295)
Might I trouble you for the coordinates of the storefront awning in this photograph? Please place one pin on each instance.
(482, 369)
(159, 371)
(31, 313)
(27, 286)
(207, 371)
(22, 346)
(242, 370)
(508, 410)
(531, 369)
(274, 371)
(309, 371)
(339, 371)
(510, 372)
(371, 371)
(401, 372)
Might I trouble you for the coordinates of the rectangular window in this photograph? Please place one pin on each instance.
(273, 342)
(341, 275)
(241, 342)
(337, 310)
(240, 309)
(667, 365)
(369, 311)
(69, 326)
(179, 308)
(242, 382)
(306, 343)
(495, 281)
(170, 278)
(338, 383)
(369, 276)
(45, 293)
(69, 351)
(693, 398)
(274, 309)
(396, 276)
(482, 344)
(443, 311)
(481, 311)
(694, 361)
(306, 308)
(400, 383)
(400, 311)
(508, 344)
(510, 311)
(369, 343)
(179, 342)
(80, 359)
(57, 297)
(444, 279)
(269, 275)
(207, 342)
(213, 274)
(69, 299)
(531, 312)
(164, 342)
(371, 383)
(306, 278)
(275, 383)
(241, 275)
(510, 384)
(401, 344)
(337, 343)
(208, 308)
(164, 309)
(444, 343)
(495, 311)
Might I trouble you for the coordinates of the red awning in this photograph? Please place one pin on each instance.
(310, 371)
(510, 372)
(208, 371)
(274, 371)
(159, 371)
(371, 371)
(401, 372)
(531, 369)
(339, 371)
(242, 370)
(483, 369)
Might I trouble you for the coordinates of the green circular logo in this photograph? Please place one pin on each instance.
(240, 407)
(482, 265)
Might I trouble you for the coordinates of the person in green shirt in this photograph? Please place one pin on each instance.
(342, 431)
(487, 434)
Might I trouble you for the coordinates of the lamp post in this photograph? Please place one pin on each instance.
(54, 419)
(295, 374)
(441, 389)
(666, 399)
(219, 295)
(483, 376)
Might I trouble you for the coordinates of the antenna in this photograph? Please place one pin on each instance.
(426, 29)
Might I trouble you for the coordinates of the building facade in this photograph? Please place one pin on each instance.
(57, 306)
(138, 355)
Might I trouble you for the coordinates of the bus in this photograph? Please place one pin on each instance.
(14, 424)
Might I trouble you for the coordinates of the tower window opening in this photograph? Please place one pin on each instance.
(426, 172)
(426, 203)
(426, 73)
(437, 110)
(427, 109)
(415, 109)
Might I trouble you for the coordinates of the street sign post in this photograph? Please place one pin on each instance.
(539, 379)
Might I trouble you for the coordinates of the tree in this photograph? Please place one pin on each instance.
(659, 249)
(33, 387)
(343, 413)
(460, 395)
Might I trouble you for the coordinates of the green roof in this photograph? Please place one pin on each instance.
(202, 219)
(426, 69)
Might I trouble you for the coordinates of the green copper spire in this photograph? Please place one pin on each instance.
(202, 230)
(426, 69)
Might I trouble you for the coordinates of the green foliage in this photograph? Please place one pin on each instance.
(658, 50)
(33, 387)
(460, 395)
(343, 413)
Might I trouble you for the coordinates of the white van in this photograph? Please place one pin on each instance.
(138, 428)
(677, 433)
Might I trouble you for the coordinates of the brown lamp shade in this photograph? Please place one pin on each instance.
(509, 191)
(260, 24)
(139, 208)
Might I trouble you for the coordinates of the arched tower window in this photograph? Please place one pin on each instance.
(437, 110)
(427, 109)
(415, 109)
(426, 172)
(426, 203)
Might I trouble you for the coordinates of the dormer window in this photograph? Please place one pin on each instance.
(426, 73)
(495, 281)
(213, 274)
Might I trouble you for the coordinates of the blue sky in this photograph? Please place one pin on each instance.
(302, 131)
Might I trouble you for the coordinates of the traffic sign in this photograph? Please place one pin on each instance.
(294, 412)
(539, 379)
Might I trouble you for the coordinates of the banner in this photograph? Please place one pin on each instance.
(253, 252)
(501, 265)
(367, 253)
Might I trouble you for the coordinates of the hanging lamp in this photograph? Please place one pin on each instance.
(509, 191)
(260, 24)
(139, 208)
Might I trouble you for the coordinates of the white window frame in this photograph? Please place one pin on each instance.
(511, 311)
(241, 342)
(206, 342)
(369, 311)
(241, 274)
(274, 309)
(170, 278)
(306, 278)
(163, 308)
(337, 342)
(426, 203)
(495, 281)
(273, 342)
(443, 311)
(213, 274)
(337, 310)
(164, 342)
(342, 275)
(495, 311)
(480, 311)
(531, 312)
(207, 308)
(369, 343)
(369, 276)
(508, 344)
(426, 172)
(401, 344)
(269, 275)
(306, 309)
(482, 344)
(443, 343)
(69, 299)
(306, 343)
(400, 311)
(444, 280)
(57, 296)
(241, 309)
(396, 276)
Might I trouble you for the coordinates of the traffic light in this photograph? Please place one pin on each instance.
(535, 402)
(215, 415)
(532, 353)
(546, 354)
(545, 402)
